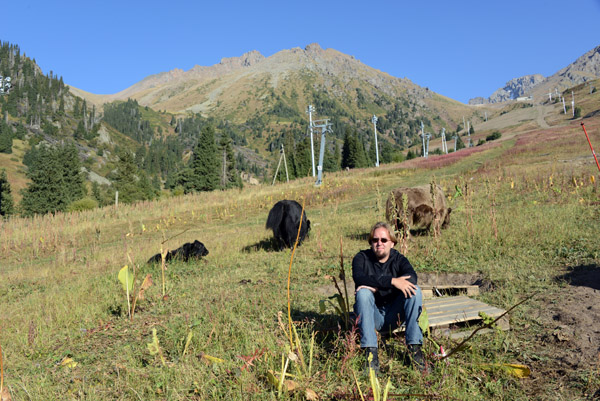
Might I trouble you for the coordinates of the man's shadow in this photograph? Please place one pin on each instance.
(583, 276)
(327, 326)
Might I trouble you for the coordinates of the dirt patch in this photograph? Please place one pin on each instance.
(566, 341)
(571, 317)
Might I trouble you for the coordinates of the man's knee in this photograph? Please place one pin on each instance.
(365, 296)
(416, 300)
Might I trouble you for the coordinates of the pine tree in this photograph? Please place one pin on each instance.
(372, 154)
(229, 175)
(347, 148)
(302, 159)
(338, 157)
(46, 192)
(80, 130)
(6, 200)
(132, 185)
(353, 152)
(6, 137)
(205, 163)
(330, 161)
(73, 178)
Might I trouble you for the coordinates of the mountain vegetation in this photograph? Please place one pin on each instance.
(198, 130)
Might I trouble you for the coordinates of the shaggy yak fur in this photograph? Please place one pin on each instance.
(420, 213)
(284, 219)
(189, 250)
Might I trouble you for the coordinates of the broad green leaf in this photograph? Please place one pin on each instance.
(272, 377)
(153, 347)
(388, 387)
(126, 278)
(517, 370)
(424, 320)
(322, 306)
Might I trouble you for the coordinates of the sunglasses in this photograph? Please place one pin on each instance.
(376, 240)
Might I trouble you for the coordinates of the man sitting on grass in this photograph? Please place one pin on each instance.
(386, 292)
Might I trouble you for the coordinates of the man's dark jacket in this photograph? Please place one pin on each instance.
(366, 270)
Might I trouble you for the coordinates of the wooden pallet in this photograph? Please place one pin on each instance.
(433, 291)
(457, 316)
(460, 311)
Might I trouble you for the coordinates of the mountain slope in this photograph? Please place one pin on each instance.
(240, 88)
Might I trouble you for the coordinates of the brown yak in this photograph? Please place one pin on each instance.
(420, 212)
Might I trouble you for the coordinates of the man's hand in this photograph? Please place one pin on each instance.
(373, 290)
(407, 288)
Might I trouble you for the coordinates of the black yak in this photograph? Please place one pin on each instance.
(284, 219)
(189, 250)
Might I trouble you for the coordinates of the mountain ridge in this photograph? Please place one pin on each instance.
(226, 88)
(585, 68)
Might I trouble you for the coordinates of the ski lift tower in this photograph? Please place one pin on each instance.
(423, 138)
(444, 144)
(325, 127)
(374, 120)
(425, 141)
(311, 110)
(469, 133)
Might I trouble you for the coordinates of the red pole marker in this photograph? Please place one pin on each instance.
(591, 147)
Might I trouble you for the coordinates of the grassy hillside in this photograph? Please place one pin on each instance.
(524, 222)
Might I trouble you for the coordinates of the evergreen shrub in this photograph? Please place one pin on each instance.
(80, 205)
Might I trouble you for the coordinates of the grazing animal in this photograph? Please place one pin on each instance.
(284, 219)
(420, 211)
(189, 250)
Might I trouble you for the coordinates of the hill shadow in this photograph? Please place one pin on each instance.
(414, 232)
(267, 245)
(359, 237)
(583, 276)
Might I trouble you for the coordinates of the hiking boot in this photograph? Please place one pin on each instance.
(372, 360)
(418, 360)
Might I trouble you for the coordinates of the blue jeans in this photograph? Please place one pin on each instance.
(372, 318)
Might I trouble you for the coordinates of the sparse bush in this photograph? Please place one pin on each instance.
(82, 204)
(577, 113)
(493, 136)
(481, 142)
(178, 191)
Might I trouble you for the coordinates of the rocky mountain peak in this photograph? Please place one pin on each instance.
(245, 60)
(313, 48)
(513, 89)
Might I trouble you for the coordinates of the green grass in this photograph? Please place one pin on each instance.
(61, 298)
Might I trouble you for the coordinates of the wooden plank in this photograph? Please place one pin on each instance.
(464, 308)
(434, 291)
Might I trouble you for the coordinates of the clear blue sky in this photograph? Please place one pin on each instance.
(460, 49)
